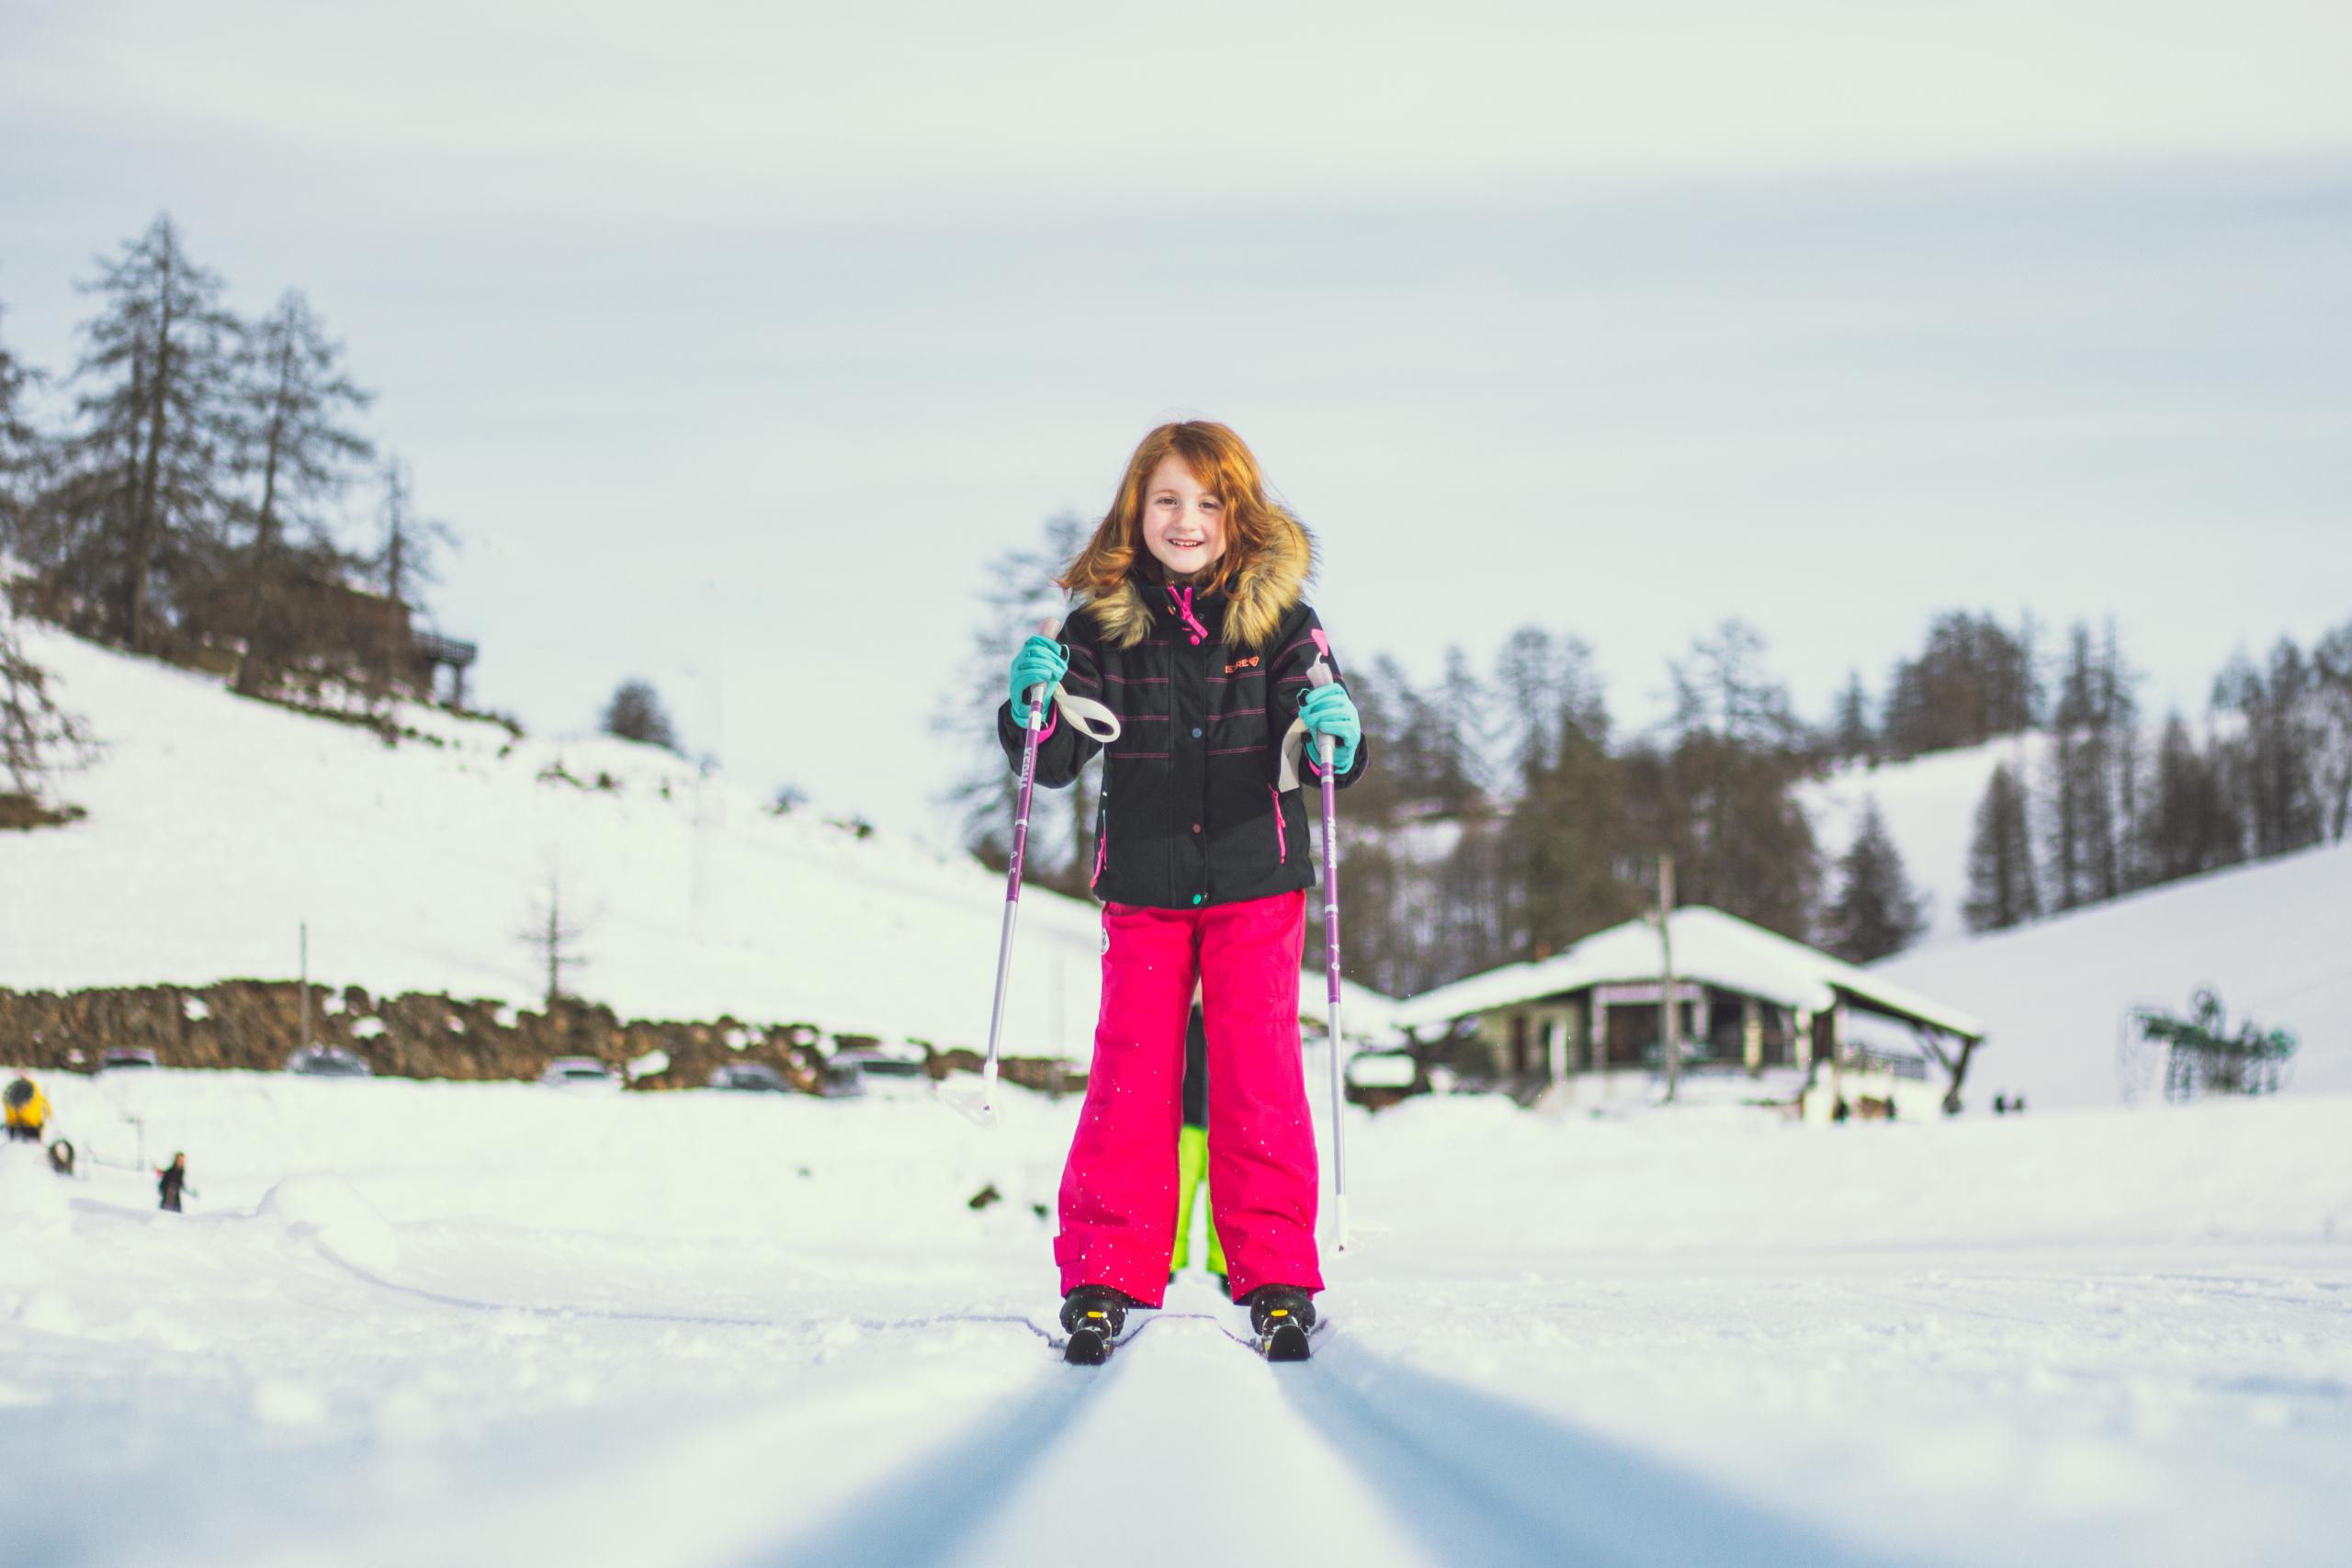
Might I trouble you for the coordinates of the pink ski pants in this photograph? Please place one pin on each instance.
(1118, 1194)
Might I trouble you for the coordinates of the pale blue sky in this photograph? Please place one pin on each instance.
(1622, 326)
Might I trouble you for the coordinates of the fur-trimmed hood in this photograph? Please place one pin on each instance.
(1264, 593)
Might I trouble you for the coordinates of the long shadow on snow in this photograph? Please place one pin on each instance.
(929, 1511)
(1486, 1481)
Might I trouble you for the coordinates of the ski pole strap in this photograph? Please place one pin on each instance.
(1099, 723)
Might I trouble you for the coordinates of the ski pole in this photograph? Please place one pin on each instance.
(1320, 675)
(1040, 694)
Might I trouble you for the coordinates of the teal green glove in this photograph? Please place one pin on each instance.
(1328, 710)
(1041, 661)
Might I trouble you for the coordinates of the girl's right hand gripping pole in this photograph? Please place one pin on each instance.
(1320, 675)
(1039, 695)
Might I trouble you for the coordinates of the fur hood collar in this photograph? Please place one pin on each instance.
(1268, 589)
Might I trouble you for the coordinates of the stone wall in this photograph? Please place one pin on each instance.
(256, 1025)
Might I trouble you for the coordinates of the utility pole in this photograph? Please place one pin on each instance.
(1670, 1033)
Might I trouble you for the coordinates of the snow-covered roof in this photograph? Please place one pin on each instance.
(1710, 947)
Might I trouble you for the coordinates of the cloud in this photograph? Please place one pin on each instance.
(1220, 95)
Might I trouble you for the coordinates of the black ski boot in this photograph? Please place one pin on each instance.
(1092, 1315)
(1282, 1317)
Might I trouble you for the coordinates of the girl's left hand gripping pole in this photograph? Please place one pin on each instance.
(1039, 695)
(1320, 675)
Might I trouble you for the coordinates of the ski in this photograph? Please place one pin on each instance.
(1087, 1348)
(1284, 1342)
(1285, 1338)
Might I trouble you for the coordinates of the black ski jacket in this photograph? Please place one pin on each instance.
(1189, 815)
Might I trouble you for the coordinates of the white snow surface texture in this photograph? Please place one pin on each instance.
(494, 1323)
(2273, 938)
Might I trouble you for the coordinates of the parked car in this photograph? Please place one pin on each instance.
(329, 1062)
(863, 1069)
(128, 1059)
(753, 1077)
(580, 1072)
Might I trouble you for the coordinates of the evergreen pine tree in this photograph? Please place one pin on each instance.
(1564, 854)
(37, 736)
(145, 499)
(1018, 593)
(2186, 827)
(1875, 914)
(407, 557)
(1972, 681)
(2081, 823)
(636, 713)
(2001, 884)
(2279, 744)
(1456, 716)
(1721, 797)
(1852, 737)
(20, 450)
(295, 447)
(2332, 664)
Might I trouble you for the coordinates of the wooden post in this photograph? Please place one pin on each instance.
(1801, 1048)
(306, 985)
(1669, 1037)
(1555, 1044)
(1751, 1035)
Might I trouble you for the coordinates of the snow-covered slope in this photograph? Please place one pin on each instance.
(2274, 939)
(496, 1324)
(1928, 805)
(217, 826)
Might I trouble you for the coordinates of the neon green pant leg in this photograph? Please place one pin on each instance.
(1191, 1170)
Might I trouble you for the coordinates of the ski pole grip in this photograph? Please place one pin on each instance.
(1319, 674)
(1041, 695)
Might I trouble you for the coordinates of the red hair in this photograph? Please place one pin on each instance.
(1223, 465)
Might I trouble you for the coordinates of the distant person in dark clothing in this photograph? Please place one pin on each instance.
(1842, 1111)
(172, 1181)
(2000, 1105)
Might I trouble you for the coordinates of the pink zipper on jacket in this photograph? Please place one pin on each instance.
(1282, 836)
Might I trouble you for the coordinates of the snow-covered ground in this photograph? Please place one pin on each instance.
(496, 1324)
(2274, 939)
(218, 826)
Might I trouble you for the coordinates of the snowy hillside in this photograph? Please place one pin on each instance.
(218, 825)
(2274, 939)
(1928, 805)
(495, 1324)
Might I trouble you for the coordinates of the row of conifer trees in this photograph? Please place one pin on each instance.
(190, 473)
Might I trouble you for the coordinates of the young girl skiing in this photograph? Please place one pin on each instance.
(1188, 624)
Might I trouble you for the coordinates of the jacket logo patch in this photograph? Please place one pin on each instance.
(1249, 663)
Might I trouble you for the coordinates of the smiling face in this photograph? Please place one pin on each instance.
(1184, 525)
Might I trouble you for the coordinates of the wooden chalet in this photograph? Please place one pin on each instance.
(1747, 1001)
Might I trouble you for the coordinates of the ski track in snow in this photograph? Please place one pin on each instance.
(729, 1331)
